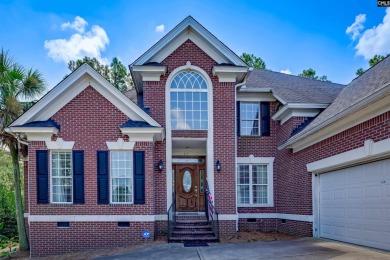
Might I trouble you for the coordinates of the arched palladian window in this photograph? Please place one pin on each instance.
(189, 102)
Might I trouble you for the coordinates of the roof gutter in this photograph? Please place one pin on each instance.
(365, 101)
(243, 83)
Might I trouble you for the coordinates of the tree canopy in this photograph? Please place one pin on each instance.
(116, 73)
(16, 83)
(372, 62)
(252, 61)
(311, 74)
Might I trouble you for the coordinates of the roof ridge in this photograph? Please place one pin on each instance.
(296, 76)
(364, 72)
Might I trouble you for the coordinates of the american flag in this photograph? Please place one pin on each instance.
(210, 200)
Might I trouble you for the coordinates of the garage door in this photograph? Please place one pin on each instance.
(355, 205)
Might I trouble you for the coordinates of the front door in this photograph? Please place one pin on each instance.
(190, 187)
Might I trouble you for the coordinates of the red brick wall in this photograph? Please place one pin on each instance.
(82, 122)
(224, 123)
(48, 239)
(90, 120)
(264, 225)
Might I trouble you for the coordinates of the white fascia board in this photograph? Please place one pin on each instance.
(150, 73)
(229, 73)
(144, 134)
(32, 130)
(244, 89)
(71, 86)
(255, 97)
(374, 105)
(291, 106)
(370, 151)
(51, 95)
(185, 26)
(324, 131)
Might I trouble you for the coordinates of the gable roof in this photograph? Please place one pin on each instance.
(74, 84)
(293, 89)
(372, 86)
(191, 29)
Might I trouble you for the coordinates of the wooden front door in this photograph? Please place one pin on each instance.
(190, 185)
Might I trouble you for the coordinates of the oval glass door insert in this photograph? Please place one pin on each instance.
(187, 182)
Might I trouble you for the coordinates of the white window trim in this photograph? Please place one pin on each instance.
(189, 68)
(51, 176)
(59, 144)
(120, 144)
(246, 102)
(132, 179)
(269, 161)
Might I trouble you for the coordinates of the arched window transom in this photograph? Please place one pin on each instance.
(189, 102)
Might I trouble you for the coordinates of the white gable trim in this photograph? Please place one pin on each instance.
(298, 109)
(367, 108)
(74, 84)
(199, 35)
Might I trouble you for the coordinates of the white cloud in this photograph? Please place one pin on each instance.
(286, 71)
(160, 28)
(78, 25)
(82, 43)
(375, 40)
(354, 29)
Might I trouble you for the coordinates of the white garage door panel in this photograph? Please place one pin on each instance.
(355, 205)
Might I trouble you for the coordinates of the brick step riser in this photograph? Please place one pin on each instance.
(191, 220)
(193, 233)
(193, 226)
(181, 240)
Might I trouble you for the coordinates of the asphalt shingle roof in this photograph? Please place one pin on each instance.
(131, 123)
(47, 123)
(361, 87)
(294, 89)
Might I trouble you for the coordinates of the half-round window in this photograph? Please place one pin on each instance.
(189, 102)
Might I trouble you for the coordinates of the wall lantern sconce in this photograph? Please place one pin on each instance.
(160, 165)
(218, 165)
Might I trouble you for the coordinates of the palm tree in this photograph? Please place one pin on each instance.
(16, 83)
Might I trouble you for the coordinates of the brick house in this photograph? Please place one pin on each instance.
(273, 151)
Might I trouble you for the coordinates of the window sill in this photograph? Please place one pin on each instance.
(121, 205)
(54, 204)
(255, 205)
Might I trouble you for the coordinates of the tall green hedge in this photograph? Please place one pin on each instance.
(7, 196)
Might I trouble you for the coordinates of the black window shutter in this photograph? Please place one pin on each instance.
(265, 118)
(238, 118)
(102, 175)
(139, 177)
(42, 169)
(78, 177)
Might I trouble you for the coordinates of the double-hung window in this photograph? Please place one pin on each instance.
(61, 177)
(249, 118)
(255, 183)
(121, 176)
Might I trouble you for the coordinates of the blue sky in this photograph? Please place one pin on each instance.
(287, 35)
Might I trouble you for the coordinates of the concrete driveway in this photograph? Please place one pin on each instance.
(304, 248)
